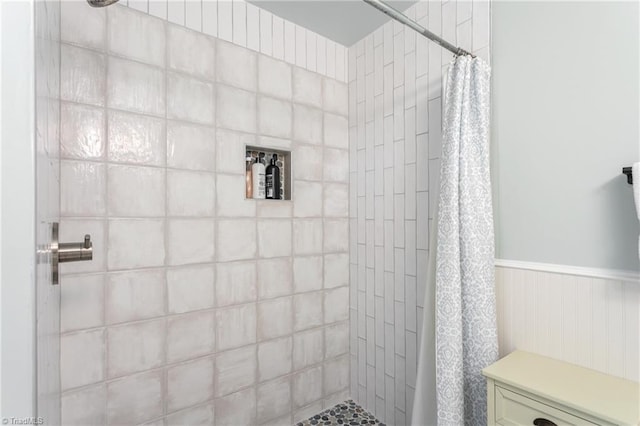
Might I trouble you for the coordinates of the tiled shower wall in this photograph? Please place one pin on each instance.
(395, 113)
(249, 26)
(200, 307)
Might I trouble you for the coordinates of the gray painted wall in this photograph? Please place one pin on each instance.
(565, 121)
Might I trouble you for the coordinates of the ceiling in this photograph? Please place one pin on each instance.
(343, 21)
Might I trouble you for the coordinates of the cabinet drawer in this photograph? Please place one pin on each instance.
(515, 409)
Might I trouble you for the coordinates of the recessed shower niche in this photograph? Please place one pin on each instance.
(267, 173)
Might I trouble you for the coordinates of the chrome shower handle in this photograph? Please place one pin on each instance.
(67, 252)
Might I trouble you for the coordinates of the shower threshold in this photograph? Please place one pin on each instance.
(346, 413)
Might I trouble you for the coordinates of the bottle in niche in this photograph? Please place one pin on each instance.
(249, 176)
(273, 179)
(258, 174)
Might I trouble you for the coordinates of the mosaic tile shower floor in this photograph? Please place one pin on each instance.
(346, 413)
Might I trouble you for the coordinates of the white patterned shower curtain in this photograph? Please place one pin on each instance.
(466, 331)
(466, 338)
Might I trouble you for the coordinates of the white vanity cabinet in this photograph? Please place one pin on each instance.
(529, 389)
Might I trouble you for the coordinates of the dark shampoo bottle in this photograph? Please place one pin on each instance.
(273, 179)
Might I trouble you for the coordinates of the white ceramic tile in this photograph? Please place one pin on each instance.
(278, 38)
(199, 416)
(135, 191)
(307, 310)
(307, 274)
(210, 18)
(85, 406)
(274, 77)
(82, 133)
(307, 162)
(274, 278)
(190, 241)
(82, 190)
(134, 138)
(274, 399)
(231, 152)
(307, 199)
(289, 42)
(235, 370)
(307, 387)
(190, 147)
(311, 51)
(275, 210)
(321, 55)
(336, 132)
(225, 20)
(135, 347)
(307, 412)
(274, 358)
(236, 409)
(81, 302)
(190, 193)
(126, 25)
(176, 11)
(307, 124)
(274, 318)
(83, 25)
(266, 31)
(190, 52)
(236, 66)
(190, 99)
(135, 295)
(82, 75)
(190, 336)
(308, 348)
(336, 270)
(193, 14)
(135, 87)
(336, 375)
(336, 305)
(81, 358)
(301, 44)
(307, 87)
(236, 109)
(336, 340)
(240, 23)
(274, 117)
(158, 8)
(336, 235)
(236, 326)
(307, 236)
(237, 240)
(135, 399)
(190, 289)
(336, 165)
(231, 197)
(336, 97)
(274, 238)
(253, 27)
(135, 243)
(189, 384)
(331, 59)
(336, 200)
(481, 24)
(235, 283)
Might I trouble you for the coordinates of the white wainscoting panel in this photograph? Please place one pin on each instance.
(589, 321)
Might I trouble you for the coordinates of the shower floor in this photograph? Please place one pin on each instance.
(345, 413)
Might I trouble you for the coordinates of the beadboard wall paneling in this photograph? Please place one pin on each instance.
(592, 322)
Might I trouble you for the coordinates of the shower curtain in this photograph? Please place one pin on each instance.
(465, 333)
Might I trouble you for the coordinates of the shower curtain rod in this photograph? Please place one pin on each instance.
(402, 18)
